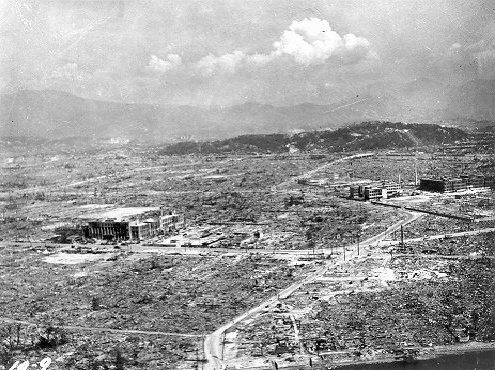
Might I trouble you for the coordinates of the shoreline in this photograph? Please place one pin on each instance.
(426, 353)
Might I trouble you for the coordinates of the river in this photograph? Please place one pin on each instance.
(483, 360)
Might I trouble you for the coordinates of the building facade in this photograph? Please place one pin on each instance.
(130, 223)
(445, 184)
(376, 191)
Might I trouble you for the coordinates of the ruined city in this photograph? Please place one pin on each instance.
(177, 194)
(247, 258)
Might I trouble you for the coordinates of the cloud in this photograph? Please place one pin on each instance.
(159, 65)
(312, 41)
(229, 63)
(309, 42)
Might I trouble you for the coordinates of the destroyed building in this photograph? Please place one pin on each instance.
(444, 184)
(130, 223)
(376, 190)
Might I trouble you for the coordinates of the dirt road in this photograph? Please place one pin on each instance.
(442, 236)
(104, 330)
(213, 343)
(313, 171)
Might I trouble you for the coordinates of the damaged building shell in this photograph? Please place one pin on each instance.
(374, 191)
(130, 223)
(453, 184)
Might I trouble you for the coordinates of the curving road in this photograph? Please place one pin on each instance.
(213, 342)
(316, 170)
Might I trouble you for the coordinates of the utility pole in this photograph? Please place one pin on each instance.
(358, 243)
(223, 344)
(197, 358)
(415, 172)
(401, 236)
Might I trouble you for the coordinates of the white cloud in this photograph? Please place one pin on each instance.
(309, 42)
(229, 63)
(159, 65)
(312, 41)
(210, 64)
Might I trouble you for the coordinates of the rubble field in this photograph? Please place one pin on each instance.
(82, 350)
(427, 312)
(42, 190)
(468, 246)
(254, 220)
(386, 165)
(378, 308)
(191, 294)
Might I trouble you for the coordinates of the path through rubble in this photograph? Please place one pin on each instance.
(213, 342)
(104, 330)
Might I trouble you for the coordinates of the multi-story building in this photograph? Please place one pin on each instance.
(130, 223)
(437, 185)
(374, 193)
(453, 184)
(376, 190)
(171, 221)
(475, 181)
(393, 189)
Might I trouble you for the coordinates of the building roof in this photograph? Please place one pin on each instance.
(119, 214)
(137, 223)
(149, 220)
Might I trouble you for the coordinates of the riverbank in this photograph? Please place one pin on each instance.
(425, 355)
(464, 357)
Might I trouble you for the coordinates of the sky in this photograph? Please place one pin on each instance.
(212, 52)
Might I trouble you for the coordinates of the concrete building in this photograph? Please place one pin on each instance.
(437, 185)
(130, 223)
(453, 184)
(376, 190)
(374, 193)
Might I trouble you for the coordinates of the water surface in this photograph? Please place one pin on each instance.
(482, 360)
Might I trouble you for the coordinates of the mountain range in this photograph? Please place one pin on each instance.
(57, 115)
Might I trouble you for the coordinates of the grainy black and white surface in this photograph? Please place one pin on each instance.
(247, 184)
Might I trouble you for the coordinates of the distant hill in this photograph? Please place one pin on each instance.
(58, 115)
(364, 136)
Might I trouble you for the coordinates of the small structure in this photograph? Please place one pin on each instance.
(130, 223)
